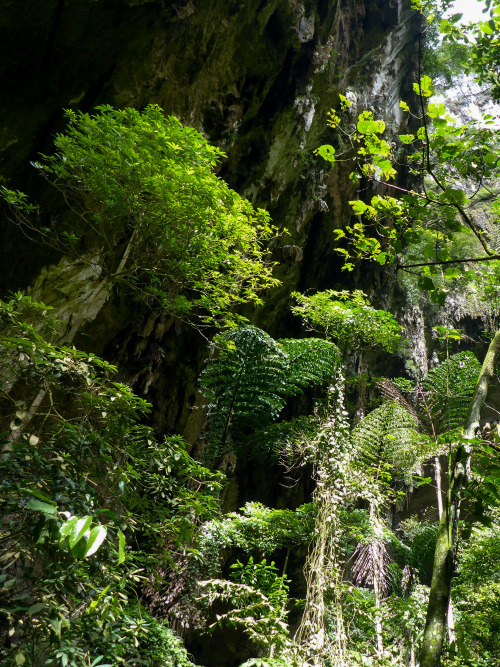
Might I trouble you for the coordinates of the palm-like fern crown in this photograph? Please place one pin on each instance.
(252, 377)
(388, 434)
(447, 392)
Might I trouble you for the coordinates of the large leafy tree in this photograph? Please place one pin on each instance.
(153, 214)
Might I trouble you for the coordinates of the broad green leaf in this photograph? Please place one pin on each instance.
(366, 126)
(94, 603)
(452, 272)
(359, 207)
(424, 88)
(80, 548)
(327, 152)
(68, 526)
(425, 283)
(37, 494)
(439, 296)
(490, 158)
(40, 506)
(96, 538)
(79, 530)
(121, 547)
(36, 608)
(440, 122)
(344, 102)
(455, 195)
(407, 138)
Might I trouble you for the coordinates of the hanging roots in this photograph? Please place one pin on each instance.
(323, 569)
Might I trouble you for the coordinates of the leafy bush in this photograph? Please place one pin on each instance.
(82, 478)
(349, 318)
(153, 211)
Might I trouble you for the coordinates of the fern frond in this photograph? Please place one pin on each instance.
(370, 558)
(448, 389)
(249, 382)
(390, 392)
(245, 383)
(389, 434)
(311, 362)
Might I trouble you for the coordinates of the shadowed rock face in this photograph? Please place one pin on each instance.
(258, 78)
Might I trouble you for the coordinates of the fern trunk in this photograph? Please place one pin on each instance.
(442, 573)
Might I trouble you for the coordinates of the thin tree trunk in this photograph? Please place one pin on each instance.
(376, 558)
(362, 385)
(377, 596)
(439, 490)
(450, 617)
(439, 595)
(412, 652)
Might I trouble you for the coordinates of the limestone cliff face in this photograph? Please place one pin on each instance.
(258, 78)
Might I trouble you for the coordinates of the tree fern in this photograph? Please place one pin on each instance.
(311, 362)
(390, 391)
(251, 379)
(246, 384)
(388, 434)
(448, 389)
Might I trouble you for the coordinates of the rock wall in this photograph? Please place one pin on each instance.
(258, 78)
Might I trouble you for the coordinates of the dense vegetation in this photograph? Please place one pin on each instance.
(114, 546)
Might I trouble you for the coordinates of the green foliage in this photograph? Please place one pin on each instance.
(445, 62)
(78, 491)
(349, 318)
(157, 217)
(260, 530)
(27, 353)
(448, 391)
(405, 621)
(388, 435)
(481, 38)
(420, 540)
(453, 166)
(486, 51)
(250, 380)
(258, 604)
(485, 484)
(477, 593)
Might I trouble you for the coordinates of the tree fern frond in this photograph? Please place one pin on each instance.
(448, 389)
(245, 383)
(311, 362)
(372, 559)
(389, 434)
(390, 392)
(250, 380)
